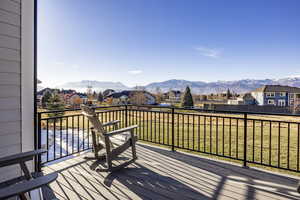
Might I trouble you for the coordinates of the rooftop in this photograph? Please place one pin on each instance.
(277, 88)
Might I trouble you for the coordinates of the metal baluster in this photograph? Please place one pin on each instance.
(288, 150)
(279, 127)
(60, 142)
(47, 141)
(237, 139)
(270, 144)
(229, 137)
(261, 141)
(223, 133)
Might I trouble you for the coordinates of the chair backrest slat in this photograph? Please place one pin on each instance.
(90, 113)
(93, 118)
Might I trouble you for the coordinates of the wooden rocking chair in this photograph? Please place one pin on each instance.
(109, 142)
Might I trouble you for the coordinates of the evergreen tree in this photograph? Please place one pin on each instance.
(46, 98)
(228, 94)
(55, 103)
(187, 99)
(100, 97)
(95, 96)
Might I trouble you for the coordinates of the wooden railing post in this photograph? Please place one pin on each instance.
(245, 139)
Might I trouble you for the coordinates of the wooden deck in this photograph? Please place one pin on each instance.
(162, 174)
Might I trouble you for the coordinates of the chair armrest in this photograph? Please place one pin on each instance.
(111, 123)
(20, 157)
(26, 186)
(122, 130)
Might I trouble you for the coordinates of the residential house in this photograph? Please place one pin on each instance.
(175, 95)
(67, 91)
(131, 97)
(75, 99)
(83, 97)
(246, 99)
(277, 95)
(107, 92)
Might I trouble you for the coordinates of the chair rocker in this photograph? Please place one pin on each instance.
(106, 145)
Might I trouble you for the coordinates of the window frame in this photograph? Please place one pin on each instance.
(271, 100)
(280, 94)
(270, 94)
(280, 103)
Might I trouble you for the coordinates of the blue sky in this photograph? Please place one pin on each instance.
(141, 41)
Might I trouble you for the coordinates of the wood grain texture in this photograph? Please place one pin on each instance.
(162, 174)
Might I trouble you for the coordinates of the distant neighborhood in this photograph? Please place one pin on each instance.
(268, 98)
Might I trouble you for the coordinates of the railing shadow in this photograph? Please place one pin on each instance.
(148, 184)
(255, 180)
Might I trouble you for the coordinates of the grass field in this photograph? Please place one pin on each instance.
(271, 140)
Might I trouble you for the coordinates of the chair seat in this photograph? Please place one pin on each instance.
(122, 137)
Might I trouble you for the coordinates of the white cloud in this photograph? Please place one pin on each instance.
(135, 72)
(209, 52)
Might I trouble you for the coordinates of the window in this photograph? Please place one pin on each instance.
(281, 102)
(270, 94)
(298, 96)
(271, 102)
(282, 94)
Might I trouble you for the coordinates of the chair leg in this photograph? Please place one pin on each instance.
(109, 162)
(94, 140)
(108, 153)
(133, 149)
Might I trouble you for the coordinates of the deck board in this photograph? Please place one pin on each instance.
(162, 174)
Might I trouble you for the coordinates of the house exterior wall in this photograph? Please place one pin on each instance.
(259, 98)
(276, 99)
(150, 99)
(262, 98)
(16, 80)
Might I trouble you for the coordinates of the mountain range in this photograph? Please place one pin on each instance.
(197, 87)
(81, 86)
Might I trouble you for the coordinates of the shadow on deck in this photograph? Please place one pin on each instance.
(162, 174)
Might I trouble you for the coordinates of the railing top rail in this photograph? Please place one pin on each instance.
(176, 108)
(219, 111)
(78, 109)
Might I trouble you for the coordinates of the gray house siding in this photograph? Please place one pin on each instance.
(276, 99)
(10, 82)
(16, 80)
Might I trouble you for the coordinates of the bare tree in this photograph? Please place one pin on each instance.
(296, 108)
(138, 98)
(77, 101)
(158, 95)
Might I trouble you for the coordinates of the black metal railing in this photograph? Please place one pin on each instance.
(69, 133)
(260, 138)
